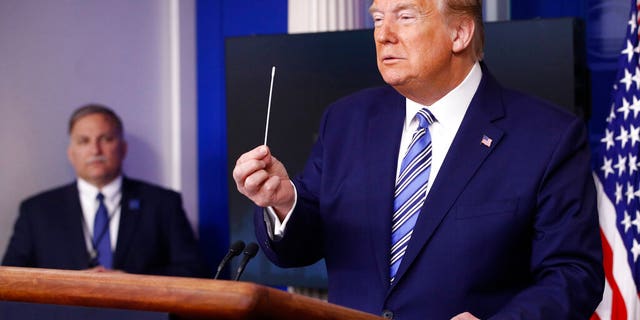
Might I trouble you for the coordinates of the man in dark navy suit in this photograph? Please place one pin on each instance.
(144, 229)
(501, 221)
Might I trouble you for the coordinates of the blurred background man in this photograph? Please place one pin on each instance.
(104, 221)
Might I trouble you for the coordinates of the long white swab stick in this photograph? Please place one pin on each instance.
(266, 127)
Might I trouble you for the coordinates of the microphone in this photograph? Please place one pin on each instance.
(249, 252)
(234, 250)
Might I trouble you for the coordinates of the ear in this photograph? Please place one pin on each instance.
(125, 148)
(462, 33)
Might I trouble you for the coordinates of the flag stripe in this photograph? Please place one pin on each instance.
(617, 269)
(618, 309)
(604, 310)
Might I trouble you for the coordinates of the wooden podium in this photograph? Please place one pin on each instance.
(186, 298)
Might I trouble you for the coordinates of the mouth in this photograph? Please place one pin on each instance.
(388, 59)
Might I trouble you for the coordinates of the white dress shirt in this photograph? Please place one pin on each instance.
(89, 202)
(448, 111)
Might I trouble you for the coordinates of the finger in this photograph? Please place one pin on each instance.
(253, 184)
(258, 153)
(270, 192)
(250, 162)
(247, 168)
(96, 269)
(272, 185)
(465, 316)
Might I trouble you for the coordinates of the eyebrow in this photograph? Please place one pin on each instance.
(396, 8)
(373, 9)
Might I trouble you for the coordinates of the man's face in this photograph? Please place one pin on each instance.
(96, 149)
(413, 43)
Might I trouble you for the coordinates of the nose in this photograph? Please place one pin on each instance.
(385, 32)
(96, 147)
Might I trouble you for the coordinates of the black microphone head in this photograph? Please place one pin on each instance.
(236, 248)
(251, 250)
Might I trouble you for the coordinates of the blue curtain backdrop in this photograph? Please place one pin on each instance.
(216, 20)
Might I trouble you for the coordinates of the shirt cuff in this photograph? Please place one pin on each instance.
(275, 228)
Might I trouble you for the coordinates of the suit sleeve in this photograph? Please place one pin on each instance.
(19, 252)
(566, 262)
(302, 243)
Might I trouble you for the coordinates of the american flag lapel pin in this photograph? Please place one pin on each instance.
(486, 141)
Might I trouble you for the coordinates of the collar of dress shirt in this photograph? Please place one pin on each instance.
(111, 191)
(451, 108)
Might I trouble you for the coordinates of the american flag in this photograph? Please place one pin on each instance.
(617, 177)
(486, 141)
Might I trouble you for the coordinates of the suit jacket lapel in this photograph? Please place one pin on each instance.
(383, 138)
(465, 156)
(130, 209)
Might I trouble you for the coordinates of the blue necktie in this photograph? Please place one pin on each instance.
(101, 237)
(411, 189)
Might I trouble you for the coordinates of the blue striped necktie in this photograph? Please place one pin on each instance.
(411, 189)
(101, 236)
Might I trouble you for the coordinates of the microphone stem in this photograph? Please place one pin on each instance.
(221, 266)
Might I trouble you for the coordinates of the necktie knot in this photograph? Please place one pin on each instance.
(425, 118)
(100, 197)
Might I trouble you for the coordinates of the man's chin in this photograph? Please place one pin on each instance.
(394, 80)
(400, 86)
(101, 179)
